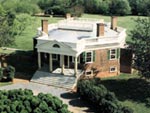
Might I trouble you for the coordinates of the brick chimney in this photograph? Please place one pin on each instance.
(68, 15)
(45, 26)
(114, 23)
(100, 29)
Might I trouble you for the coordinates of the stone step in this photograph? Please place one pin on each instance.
(53, 79)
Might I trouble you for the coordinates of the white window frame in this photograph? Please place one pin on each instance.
(115, 67)
(115, 54)
(90, 71)
(55, 58)
(91, 56)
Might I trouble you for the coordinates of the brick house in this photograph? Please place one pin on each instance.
(88, 44)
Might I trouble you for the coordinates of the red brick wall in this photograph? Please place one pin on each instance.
(103, 64)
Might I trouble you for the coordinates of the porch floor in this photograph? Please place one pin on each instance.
(55, 78)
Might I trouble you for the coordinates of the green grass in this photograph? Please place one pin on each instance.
(25, 42)
(5, 83)
(130, 90)
(123, 21)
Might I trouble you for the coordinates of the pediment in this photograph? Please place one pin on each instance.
(55, 47)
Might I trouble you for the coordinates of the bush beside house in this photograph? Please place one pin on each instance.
(105, 101)
(7, 73)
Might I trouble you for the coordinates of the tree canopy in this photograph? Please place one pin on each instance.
(141, 46)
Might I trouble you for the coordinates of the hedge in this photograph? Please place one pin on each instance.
(23, 101)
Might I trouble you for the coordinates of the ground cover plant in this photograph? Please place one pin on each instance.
(23, 101)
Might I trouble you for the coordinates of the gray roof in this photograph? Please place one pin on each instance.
(68, 35)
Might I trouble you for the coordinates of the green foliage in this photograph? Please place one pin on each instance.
(99, 96)
(120, 7)
(1, 73)
(10, 72)
(140, 7)
(23, 101)
(21, 6)
(141, 46)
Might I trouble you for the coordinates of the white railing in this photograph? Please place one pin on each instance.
(89, 20)
(101, 40)
(75, 25)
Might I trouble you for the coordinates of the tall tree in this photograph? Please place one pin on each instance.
(120, 7)
(141, 46)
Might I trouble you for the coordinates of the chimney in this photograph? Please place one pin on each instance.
(68, 15)
(114, 23)
(100, 29)
(45, 26)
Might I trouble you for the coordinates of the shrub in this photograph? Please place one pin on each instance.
(23, 101)
(96, 94)
(148, 102)
(1, 74)
(10, 72)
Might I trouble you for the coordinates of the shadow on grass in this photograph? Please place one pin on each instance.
(74, 100)
(24, 62)
(134, 89)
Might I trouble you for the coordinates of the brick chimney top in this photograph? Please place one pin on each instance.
(114, 23)
(100, 29)
(44, 23)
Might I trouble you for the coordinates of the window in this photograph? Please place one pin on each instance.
(113, 69)
(89, 56)
(113, 54)
(56, 46)
(89, 73)
(54, 57)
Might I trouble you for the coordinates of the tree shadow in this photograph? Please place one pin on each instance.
(134, 89)
(74, 100)
(25, 62)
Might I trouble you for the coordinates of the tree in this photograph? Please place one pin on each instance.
(120, 7)
(141, 46)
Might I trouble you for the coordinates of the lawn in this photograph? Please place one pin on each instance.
(24, 41)
(130, 90)
(5, 83)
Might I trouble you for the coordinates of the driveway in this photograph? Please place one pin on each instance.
(74, 103)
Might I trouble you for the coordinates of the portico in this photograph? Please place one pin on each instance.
(61, 62)
(59, 50)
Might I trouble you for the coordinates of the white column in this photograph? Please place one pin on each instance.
(68, 61)
(39, 60)
(62, 64)
(75, 66)
(50, 63)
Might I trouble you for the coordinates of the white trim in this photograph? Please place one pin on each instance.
(90, 71)
(91, 56)
(115, 54)
(115, 69)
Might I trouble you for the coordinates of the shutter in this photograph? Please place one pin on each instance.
(83, 56)
(118, 53)
(108, 54)
(93, 56)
